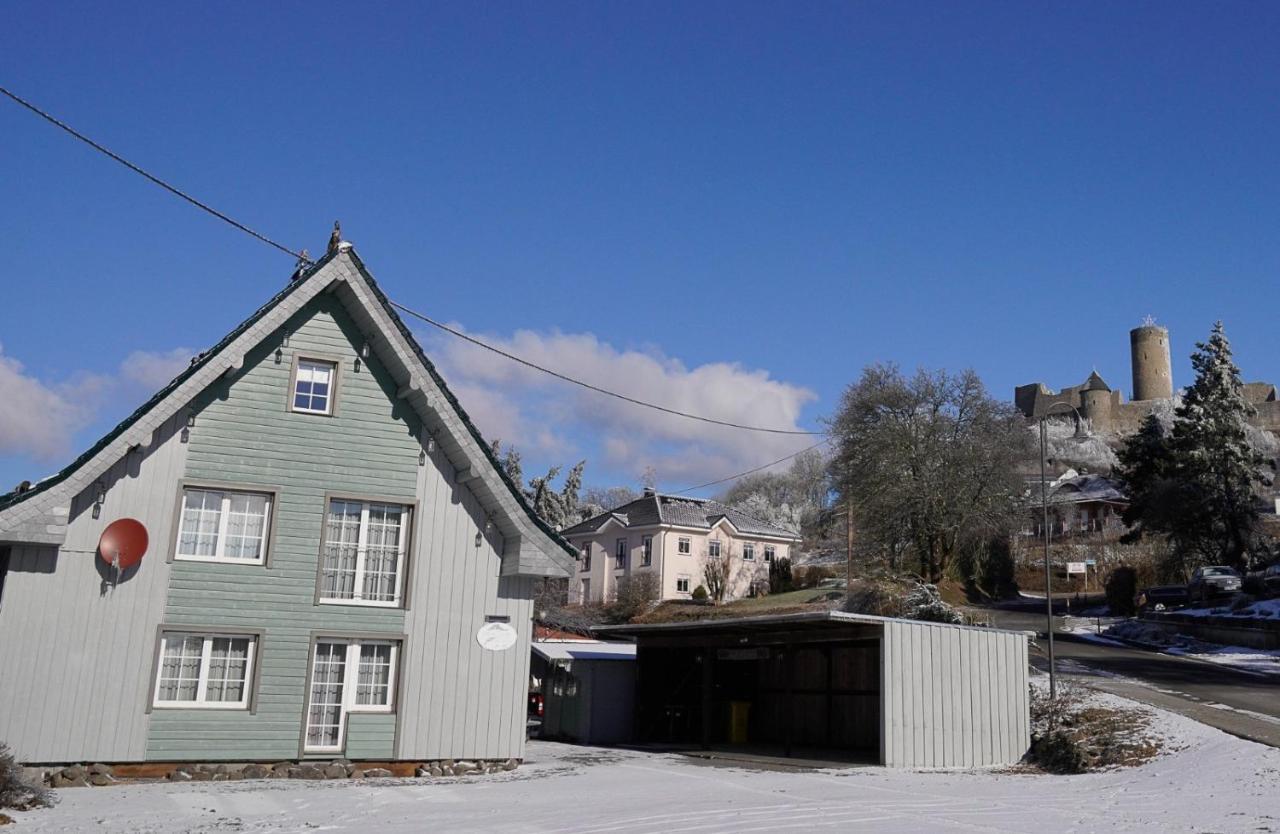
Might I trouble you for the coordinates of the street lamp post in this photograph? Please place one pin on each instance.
(1044, 507)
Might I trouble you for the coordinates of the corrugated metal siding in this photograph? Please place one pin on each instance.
(245, 435)
(953, 697)
(459, 699)
(77, 655)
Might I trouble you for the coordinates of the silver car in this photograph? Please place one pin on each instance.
(1213, 581)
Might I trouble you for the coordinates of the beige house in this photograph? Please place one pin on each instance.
(673, 538)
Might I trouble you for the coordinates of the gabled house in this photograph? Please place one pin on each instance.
(336, 565)
(672, 539)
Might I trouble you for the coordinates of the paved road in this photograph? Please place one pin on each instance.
(1243, 704)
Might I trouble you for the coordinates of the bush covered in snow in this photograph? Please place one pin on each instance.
(924, 603)
(14, 791)
(1080, 731)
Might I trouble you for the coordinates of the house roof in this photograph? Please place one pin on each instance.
(656, 509)
(337, 267)
(584, 650)
(809, 620)
(1079, 489)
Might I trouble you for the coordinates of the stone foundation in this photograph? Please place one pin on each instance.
(100, 775)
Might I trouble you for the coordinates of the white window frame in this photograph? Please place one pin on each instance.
(362, 542)
(713, 548)
(748, 551)
(224, 514)
(646, 551)
(331, 367)
(684, 545)
(585, 586)
(586, 557)
(770, 552)
(620, 554)
(202, 685)
(350, 687)
(687, 580)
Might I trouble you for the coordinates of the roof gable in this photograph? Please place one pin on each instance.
(532, 547)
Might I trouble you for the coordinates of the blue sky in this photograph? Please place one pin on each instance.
(734, 206)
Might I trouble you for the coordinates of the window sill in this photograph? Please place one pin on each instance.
(220, 560)
(189, 705)
(361, 603)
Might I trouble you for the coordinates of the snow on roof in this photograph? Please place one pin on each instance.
(584, 650)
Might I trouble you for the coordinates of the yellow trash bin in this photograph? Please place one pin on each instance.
(739, 712)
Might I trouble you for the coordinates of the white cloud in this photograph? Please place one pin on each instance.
(152, 370)
(40, 419)
(526, 407)
(36, 419)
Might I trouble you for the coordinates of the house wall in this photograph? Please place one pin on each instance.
(953, 697)
(668, 563)
(76, 652)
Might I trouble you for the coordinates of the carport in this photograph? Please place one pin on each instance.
(832, 685)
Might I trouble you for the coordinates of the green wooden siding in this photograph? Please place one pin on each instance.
(371, 736)
(244, 434)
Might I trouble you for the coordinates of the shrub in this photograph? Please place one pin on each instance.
(700, 594)
(14, 791)
(923, 603)
(635, 595)
(1121, 588)
(1057, 752)
(780, 578)
(810, 576)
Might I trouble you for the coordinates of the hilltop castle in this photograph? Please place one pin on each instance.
(1106, 410)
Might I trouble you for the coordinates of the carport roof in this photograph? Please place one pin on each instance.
(766, 622)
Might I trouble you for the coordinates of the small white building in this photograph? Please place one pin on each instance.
(673, 539)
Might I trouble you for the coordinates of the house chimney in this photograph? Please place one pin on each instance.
(649, 492)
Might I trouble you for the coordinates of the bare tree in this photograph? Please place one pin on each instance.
(928, 463)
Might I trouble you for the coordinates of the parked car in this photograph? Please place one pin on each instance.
(1271, 579)
(1213, 581)
(1162, 597)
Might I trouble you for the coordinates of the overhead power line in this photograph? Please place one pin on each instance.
(166, 186)
(303, 258)
(750, 471)
(566, 378)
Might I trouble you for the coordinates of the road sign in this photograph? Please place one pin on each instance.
(1076, 567)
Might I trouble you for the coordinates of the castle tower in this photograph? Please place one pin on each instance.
(1152, 370)
(1095, 402)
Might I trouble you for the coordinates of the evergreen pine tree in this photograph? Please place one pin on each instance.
(1194, 484)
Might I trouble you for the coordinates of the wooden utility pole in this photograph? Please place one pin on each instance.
(848, 528)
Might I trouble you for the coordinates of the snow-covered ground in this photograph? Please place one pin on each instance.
(1264, 661)
(1266, 609)
(1209, 782)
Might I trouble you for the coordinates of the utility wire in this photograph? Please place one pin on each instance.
(303, 258)
(166, 186)
(750, 471)
(455, 332)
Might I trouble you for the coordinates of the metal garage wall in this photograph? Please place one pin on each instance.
(953, 696)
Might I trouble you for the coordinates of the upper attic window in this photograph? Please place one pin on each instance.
(313, 386)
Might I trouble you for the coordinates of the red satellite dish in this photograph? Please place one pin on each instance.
(124, 539)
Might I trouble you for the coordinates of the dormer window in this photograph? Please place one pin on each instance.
(313, 383)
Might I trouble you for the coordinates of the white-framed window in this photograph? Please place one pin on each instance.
(646, 552)
(749, 551)
(313, 386)
(586, 557)
(713, 548)
(586, 591)
(682, 583)
(684, 545)
(204, 671)
(620, 554)
(364, 552)
(347, 676)
(769, 552)
(223, 526)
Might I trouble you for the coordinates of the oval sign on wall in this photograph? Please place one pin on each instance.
(496, 637)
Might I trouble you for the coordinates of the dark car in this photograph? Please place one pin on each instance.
(1271, 579)
(1163, 597)
(1213, 581)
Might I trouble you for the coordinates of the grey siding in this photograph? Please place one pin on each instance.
(244, 434)
(459, 699)
(76, 652)
(953, 697)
